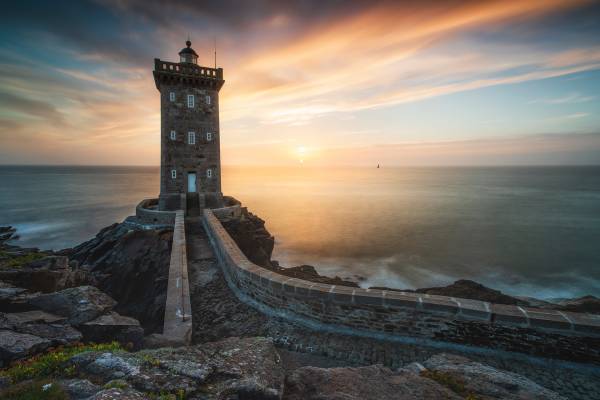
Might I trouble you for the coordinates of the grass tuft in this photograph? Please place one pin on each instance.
(34, 390)
(18, 261)
(51, 363)
(452, 383)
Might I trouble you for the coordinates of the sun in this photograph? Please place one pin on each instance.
(301, 152)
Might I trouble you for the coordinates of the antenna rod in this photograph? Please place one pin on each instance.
(215, 52)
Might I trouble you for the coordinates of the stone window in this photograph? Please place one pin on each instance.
(173, 174)
(207, 99)
(209, 173)
(208, 136)
(191, 138)
(172, 96)
(190, 101)
(173, 135)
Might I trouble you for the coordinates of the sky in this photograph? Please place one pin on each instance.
(310, 82)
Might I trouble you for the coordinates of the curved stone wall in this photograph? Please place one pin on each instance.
(147, 213)
(406, 316)
(228, 212)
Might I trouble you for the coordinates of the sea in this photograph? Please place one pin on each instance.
(528, 231)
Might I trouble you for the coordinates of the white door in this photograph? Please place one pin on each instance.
(191, 182)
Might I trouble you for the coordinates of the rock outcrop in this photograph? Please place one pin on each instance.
(443, 376)
(309, 273)
(132, 266)
(252, 237)
(78, 305)
(62, 318)
(111, 327)
(247, 368)
(467, 289)
(255, 241)
(366, 383)
(482, 381)
(585, 304)
(15, 345)
(35, 270)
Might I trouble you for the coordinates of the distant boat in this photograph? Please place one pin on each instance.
(377, 165)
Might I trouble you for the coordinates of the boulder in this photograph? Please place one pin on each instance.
(106, 366)
(233, 368)
(50, 262)
(158, 340)
(41, 324)
(113, 326)
(585, 304)
(253, 239)
(13, 320)
(7, 233)
(14, 299)
(79, 389)
(46, 275)
(79, 304)
(58, 334)
(119, 394)
(15, 345)
(374, 382)
(467, 289)
(485, 382)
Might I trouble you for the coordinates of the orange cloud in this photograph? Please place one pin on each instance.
(372, 58)
(338, 65)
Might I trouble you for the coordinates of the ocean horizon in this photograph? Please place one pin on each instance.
(528, 231)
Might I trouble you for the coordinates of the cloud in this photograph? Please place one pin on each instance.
(576, 115)
(540, 149)
(389, 55)
(85, 69)
(571, 98)
(31, 108)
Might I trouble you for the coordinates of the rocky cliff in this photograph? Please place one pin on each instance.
(50, 302)
(252, 368)
(256, 242)
(132, 266)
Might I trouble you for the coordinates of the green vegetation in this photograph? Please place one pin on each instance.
(154, 362)
(17, 261)
(34, 390)
(116, 384)
(452, 383)
(180, 395)
(50, 364)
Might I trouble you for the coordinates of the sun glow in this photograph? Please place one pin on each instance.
(301, 152)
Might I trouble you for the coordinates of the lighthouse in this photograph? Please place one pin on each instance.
(190, 168)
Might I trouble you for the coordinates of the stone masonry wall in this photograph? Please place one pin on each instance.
(404, 316)
(178, 310)
(202, 119)
(147, 213)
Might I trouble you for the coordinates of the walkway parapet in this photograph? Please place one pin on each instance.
(178, 310)
(406, 316)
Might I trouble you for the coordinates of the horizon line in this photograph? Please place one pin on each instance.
(319, 165)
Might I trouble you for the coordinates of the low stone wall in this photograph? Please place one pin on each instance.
(147, 213)
(405, 316)
(228, 212)
(178, 309)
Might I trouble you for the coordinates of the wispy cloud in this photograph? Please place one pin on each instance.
(577, 115)
(571, 98)
(77, 79)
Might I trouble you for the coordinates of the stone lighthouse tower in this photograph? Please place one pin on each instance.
(190, 170)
